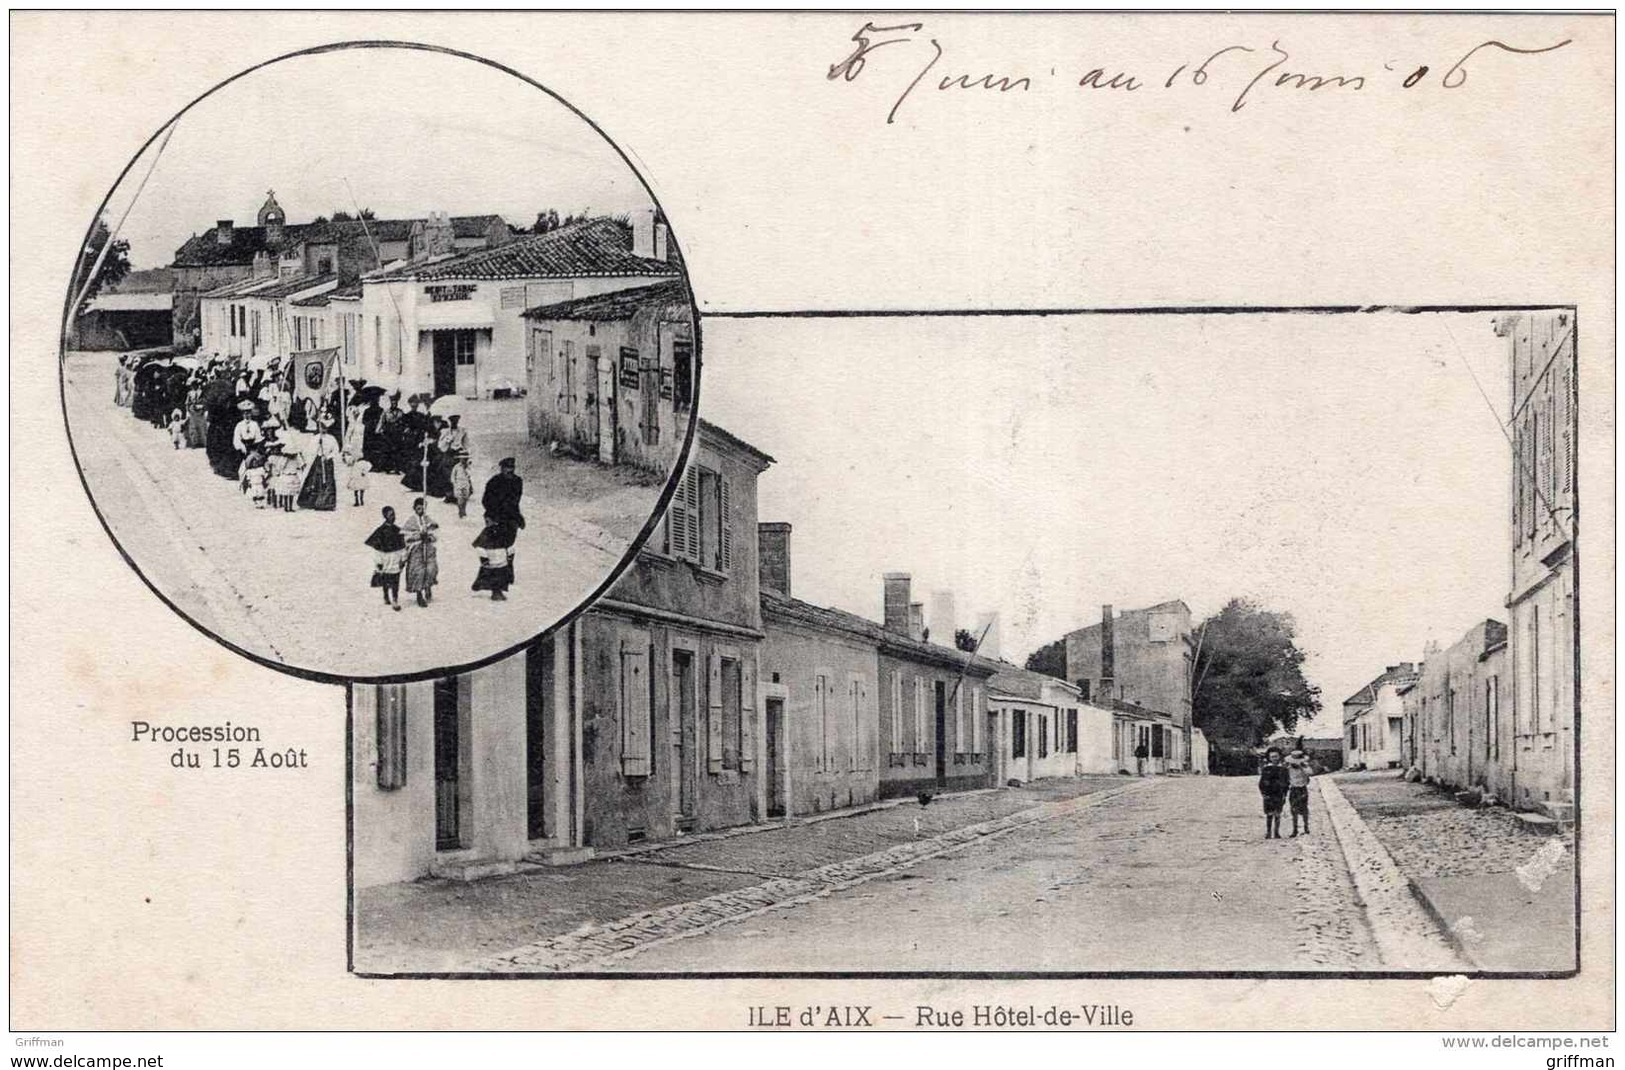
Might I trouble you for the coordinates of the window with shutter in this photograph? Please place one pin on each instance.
(713, 715)
(978, 720)
(636, 746)
(919, 716)
(1567, 413)
(959, 720)
(821, 711)
(725, 525)
(896, 718)
(391, 722)
(747, 714)
(691, 516)
(860, 737)
(682, 520)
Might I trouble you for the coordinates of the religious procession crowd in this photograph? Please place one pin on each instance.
(283, 450)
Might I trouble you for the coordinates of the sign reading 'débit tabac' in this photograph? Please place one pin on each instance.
(926, 1016)
(217, 746)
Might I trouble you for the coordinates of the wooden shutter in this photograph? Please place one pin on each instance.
(860, 739)
(978, 719)
(391, 712)
(1566, 414)
(919, 716)
(821, 708)
(683, 517)
(725, 553)
(896, 719)
(959, 720)
(634, 711)
(747, 713)
(713, 715)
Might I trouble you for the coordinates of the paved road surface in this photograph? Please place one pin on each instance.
(293, 588)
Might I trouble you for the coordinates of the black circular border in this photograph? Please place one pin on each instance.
(633, 547)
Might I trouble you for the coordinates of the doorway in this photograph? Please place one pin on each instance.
(608, 411)
(942, 733)
(682, 737)
(776, 802)
(538, 685)
(454, 364)
(447, 767)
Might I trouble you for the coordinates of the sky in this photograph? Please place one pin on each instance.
(1343, 468)
(412, 132)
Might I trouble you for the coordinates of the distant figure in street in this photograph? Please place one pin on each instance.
(1299, 770)
(1272, 785)
(177, 429)
(1140, 755)
(389, 552)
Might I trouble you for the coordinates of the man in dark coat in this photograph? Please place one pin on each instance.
(501, 504)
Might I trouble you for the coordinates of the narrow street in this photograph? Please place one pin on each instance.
(1171, 874)
(1080, 874)
(293, 587)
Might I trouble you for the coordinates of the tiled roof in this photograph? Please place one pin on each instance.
(293, 284)
(205, 250)
(346, 289)
(712, 430)
(313, 301)
(598, 247)
(613, 306)
(1015, 680)
(794, 609)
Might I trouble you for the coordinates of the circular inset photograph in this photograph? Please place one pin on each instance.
(379, 362)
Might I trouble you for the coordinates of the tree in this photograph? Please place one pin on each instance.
(1049, 659)
(964, 640)
(114, 266)
(342, 216)
(1247, 677)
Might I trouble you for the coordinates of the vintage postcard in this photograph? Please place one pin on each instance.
(1122, 567)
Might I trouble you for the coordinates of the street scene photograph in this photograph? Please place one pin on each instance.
(1136, 643)
(382, 380)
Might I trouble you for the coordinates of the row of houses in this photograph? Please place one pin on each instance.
(700, 694)
(592, 322)
(1497, 709)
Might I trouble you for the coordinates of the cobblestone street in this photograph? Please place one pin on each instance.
(1165, 875)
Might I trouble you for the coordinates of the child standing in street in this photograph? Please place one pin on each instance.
(357, 480)
(1272, 785)
(177, 429)
(1298, 770)
(462, 485)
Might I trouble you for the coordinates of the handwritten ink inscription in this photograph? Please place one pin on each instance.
(1243, 72)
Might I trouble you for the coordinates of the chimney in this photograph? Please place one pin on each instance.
(263, 267)
(662, 236)
(1108, 654)
(916, 621)
(773, 557)
(897, 585)
(988, 623)
(222, 231)
(643, 233)
(438, 237)
(941, 618)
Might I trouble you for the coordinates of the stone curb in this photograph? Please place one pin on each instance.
(610, 942)
(1403, 923)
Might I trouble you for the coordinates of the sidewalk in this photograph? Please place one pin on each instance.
(1505, 896)
(434, 925)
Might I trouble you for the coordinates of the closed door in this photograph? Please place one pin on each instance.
(682, 734)
(942, 733)
(463, 345)
(447, 767)
(606, 411)
(775, 758)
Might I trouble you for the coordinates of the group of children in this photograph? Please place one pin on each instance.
(274, 478)
(1284, 779)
